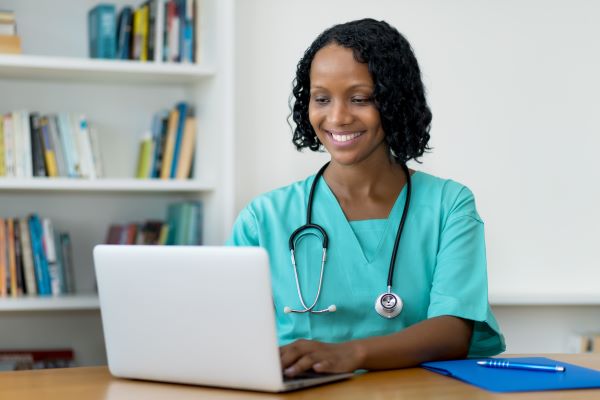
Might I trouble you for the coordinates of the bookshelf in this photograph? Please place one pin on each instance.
(119, 98)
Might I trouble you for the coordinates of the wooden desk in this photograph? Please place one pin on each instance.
(414, 384)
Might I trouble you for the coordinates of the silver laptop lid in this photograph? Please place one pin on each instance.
(198, 315)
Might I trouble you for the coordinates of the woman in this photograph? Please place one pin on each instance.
(408, 242)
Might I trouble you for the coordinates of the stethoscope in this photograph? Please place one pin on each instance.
(388, 304)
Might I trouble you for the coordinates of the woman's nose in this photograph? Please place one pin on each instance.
(340, 114)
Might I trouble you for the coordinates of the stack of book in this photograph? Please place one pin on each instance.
(183, 226)
(34, 258)
(158, 30)
(167, 150)
(48, 145)
(24, 359)
(10, 43)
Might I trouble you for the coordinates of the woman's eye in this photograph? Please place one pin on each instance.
(321, 100)
(361, 100)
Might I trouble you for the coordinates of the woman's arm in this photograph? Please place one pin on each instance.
(439, 338)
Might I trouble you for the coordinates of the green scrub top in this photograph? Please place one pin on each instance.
(440, 266)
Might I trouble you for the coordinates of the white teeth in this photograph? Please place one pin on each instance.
(345, 137)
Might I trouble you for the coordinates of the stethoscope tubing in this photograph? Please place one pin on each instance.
(325, 243)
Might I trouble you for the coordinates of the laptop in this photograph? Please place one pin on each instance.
(192, 314)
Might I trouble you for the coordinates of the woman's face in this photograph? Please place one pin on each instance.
(341, 108)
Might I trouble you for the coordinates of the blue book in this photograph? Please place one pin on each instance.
(102, 30)
(516, 380)
(183, 112)
(42, 274)
(124, 25)
(187, 31)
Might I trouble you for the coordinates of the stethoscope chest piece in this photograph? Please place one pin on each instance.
(388, 305)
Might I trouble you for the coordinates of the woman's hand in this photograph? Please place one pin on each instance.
(303, 355)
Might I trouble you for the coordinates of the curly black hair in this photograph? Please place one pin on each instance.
(399, 93)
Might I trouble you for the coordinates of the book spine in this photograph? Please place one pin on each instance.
(169, 145)
(159, 29)
(96, 152)
(9, 146)
(67, 258)
(124, 33)
(37, 148)
(12, 261)
(50, 251)
(144, 157)
(19, 258)
(48, 146)
(151, 39)
(39, 256)
(85, 149)
(144, 33)
(2, 160)
(54, 132)
(183, 112)
(28, 267)
(188, 145)
(3, 258)
(102, 31)
(27, 153)
(18, 145)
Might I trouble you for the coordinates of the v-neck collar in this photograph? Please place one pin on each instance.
(346, 230)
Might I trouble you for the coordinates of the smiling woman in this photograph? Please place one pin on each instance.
(366, 223)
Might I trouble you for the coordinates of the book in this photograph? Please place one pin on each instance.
(3, 259)
(39, 256)
(183, 110)
(159, 29)
(114, 234)
(173, 24)
(62, 168)
(20, 273)
(12, 262)
(10, 44)
(67, 125)
(140, 34)
(162, 119)
(66, 254)
(124, 26)
(145, 153)
(9, 146)
(18, 145)
(167, 159)
(151, 34)
(37, 147)
(2, 162)
(84, 146)
(51, 257)
(27, 154)
(102, 30)
(187, 31)
(96, 152)
(40, 358)
(48, 147)
(28, 267)
(188, 146)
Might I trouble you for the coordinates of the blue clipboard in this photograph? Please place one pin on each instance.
(514, 380)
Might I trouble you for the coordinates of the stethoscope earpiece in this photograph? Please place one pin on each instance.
(388, 304)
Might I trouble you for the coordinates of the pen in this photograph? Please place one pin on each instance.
(517, 365)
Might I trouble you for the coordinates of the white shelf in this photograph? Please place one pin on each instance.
(104, 185)
(96, 70)
(560, 299)
(50, 303)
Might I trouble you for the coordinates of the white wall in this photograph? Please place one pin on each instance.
(512, 86)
